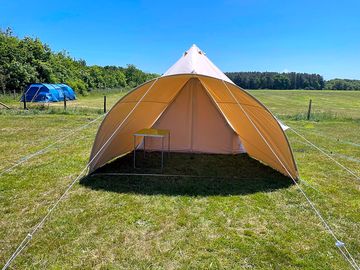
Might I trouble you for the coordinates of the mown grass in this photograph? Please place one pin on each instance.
(256, 221)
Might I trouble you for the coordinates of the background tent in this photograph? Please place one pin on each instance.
(68, 91)
(43, 92)
(205, 113)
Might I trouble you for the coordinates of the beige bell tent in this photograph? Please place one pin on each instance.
(205, 113)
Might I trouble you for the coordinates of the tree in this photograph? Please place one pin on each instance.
(281, 82)
(20, 75)
(2, 81)
(28, 60)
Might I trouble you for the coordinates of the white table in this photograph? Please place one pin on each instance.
(154, 133)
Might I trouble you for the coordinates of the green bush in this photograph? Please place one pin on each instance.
(78, 85)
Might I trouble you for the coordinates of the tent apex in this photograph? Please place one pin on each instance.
(194, 60)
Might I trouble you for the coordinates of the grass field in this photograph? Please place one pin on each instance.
(119, 222)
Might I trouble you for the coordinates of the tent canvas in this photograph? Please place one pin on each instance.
(205, 113)
(68, 91)
(44, 92)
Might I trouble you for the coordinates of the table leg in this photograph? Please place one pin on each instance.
(162, 153)
(169, 144)
(144, 145)
(134, 152)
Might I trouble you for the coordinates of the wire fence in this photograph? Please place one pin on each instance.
(97, 102)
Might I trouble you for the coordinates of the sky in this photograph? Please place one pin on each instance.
(237, 35)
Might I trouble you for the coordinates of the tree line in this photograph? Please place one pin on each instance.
(276, 80)
(290, 80)
(28, 60)
(342, 84)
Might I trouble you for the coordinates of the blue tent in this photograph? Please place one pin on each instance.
(44, 92)
(68, 91)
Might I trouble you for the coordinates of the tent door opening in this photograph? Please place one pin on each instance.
(196, 125)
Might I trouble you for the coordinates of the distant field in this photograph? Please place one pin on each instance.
(339, 104)
(291, 102)
(141, 223)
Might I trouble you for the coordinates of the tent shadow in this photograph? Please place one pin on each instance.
(187, 175)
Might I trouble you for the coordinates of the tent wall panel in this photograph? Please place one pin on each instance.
(122, 142)
(195, 124)
(263, 120)
(132, 113)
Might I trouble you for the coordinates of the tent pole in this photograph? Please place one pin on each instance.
(192, 119)
(35, 94)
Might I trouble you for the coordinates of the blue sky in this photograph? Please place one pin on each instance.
(237, 35)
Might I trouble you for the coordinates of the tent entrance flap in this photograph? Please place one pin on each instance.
(196, 125)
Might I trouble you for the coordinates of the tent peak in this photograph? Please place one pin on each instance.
(194, 49)
(195, 61)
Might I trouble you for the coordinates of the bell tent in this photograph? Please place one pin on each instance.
(205, 113)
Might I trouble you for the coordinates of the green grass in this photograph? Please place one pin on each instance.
(286, 103)
(252, 221)
(92, 103)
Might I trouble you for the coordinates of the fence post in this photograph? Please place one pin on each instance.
(64, 103)
(309, 110)
(25, 102)
(104, 104)
(14, 94)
